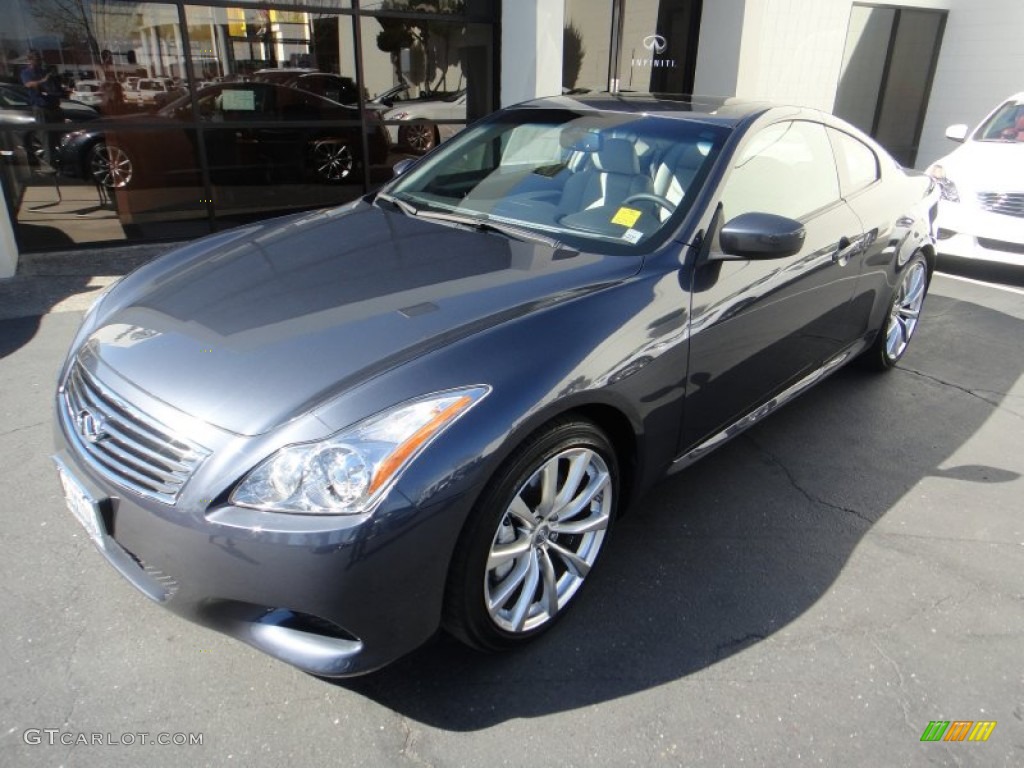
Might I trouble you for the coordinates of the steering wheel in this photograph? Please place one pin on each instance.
(663, 202)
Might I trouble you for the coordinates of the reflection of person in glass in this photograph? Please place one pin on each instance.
(44, 94)
(111, 93)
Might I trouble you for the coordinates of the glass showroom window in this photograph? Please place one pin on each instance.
(178, 118)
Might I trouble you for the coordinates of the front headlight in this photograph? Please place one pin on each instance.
(946, 186)
(349, 472)
(397, 116)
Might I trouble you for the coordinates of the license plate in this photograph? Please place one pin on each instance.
(82, 506)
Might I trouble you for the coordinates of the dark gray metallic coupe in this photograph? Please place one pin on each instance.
(332, 434)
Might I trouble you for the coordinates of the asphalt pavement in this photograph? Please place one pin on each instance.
(816, 592)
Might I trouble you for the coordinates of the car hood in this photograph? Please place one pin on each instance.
(251, 331)
(986, 166)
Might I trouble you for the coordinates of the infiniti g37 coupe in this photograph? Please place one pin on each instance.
(332, 434)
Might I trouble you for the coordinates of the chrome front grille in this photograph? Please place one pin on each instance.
(1006, 203)
(125, 445)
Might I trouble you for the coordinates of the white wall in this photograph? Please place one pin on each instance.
(531, 49)
(981, 63)
(791, 51)
(796, 52)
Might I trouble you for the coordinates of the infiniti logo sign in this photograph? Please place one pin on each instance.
(91, 425)
(655, 43)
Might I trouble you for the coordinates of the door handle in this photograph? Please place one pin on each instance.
(847, 249)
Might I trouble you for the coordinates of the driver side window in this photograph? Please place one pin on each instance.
(787, 169)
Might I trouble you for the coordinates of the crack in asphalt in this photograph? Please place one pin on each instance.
(901, 696)
(407, 750)
(776, 462)
(975, 393)
(22, 428)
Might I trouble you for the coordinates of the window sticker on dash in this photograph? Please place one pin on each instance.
(632, 236)
(626, 217)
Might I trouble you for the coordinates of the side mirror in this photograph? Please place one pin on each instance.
(402, 166)
(761, 236)
(957, 132)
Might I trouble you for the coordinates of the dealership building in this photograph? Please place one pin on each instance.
(198, 125)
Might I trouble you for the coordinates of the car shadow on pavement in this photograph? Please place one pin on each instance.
(731, 551)
(978, 269)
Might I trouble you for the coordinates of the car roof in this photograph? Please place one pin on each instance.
(726, 111)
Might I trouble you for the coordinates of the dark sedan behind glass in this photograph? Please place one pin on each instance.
(259, 132)
(331, 434)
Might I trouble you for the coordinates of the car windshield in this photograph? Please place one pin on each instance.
(606, 182)
(1007, 124)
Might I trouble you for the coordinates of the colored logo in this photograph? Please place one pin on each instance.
(958, 730)
(655, 43)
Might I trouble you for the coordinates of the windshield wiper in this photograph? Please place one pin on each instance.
(488, 225)
(407, 208)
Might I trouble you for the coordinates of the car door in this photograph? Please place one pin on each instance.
(232, 142)
(757, 326)
(879, 207)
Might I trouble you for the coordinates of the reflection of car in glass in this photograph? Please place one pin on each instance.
(422, 133)
(981, 214)
(331, 434)
(281, 148)
(327, 84)
(334, 87)
(403, 94)
(88, 92)
(148, 90)
(390, 97)
(16, 112)
(14, 100)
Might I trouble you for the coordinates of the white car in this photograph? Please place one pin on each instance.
(149, 89)
(88, 92)
(421, 132)
(981, 213)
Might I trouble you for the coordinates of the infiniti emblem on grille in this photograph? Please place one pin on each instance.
(91, 425)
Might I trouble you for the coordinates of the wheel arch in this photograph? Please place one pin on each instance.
(85, 156)
(622, 431)
(624, 441)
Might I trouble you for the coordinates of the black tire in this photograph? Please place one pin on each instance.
(902, 318)
(333, 160)
(108, 166)
(496, 600)
(420, 137)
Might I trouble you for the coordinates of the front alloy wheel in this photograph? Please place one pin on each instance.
(536, 537)
(332, 160)
(109, 166)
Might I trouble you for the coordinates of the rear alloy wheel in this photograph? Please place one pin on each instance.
(110, 166)
(904, 314)
(537, 533)
(419, 137)
(333, 160)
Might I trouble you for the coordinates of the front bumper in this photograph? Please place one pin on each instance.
(334, 596)
(972, 233)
